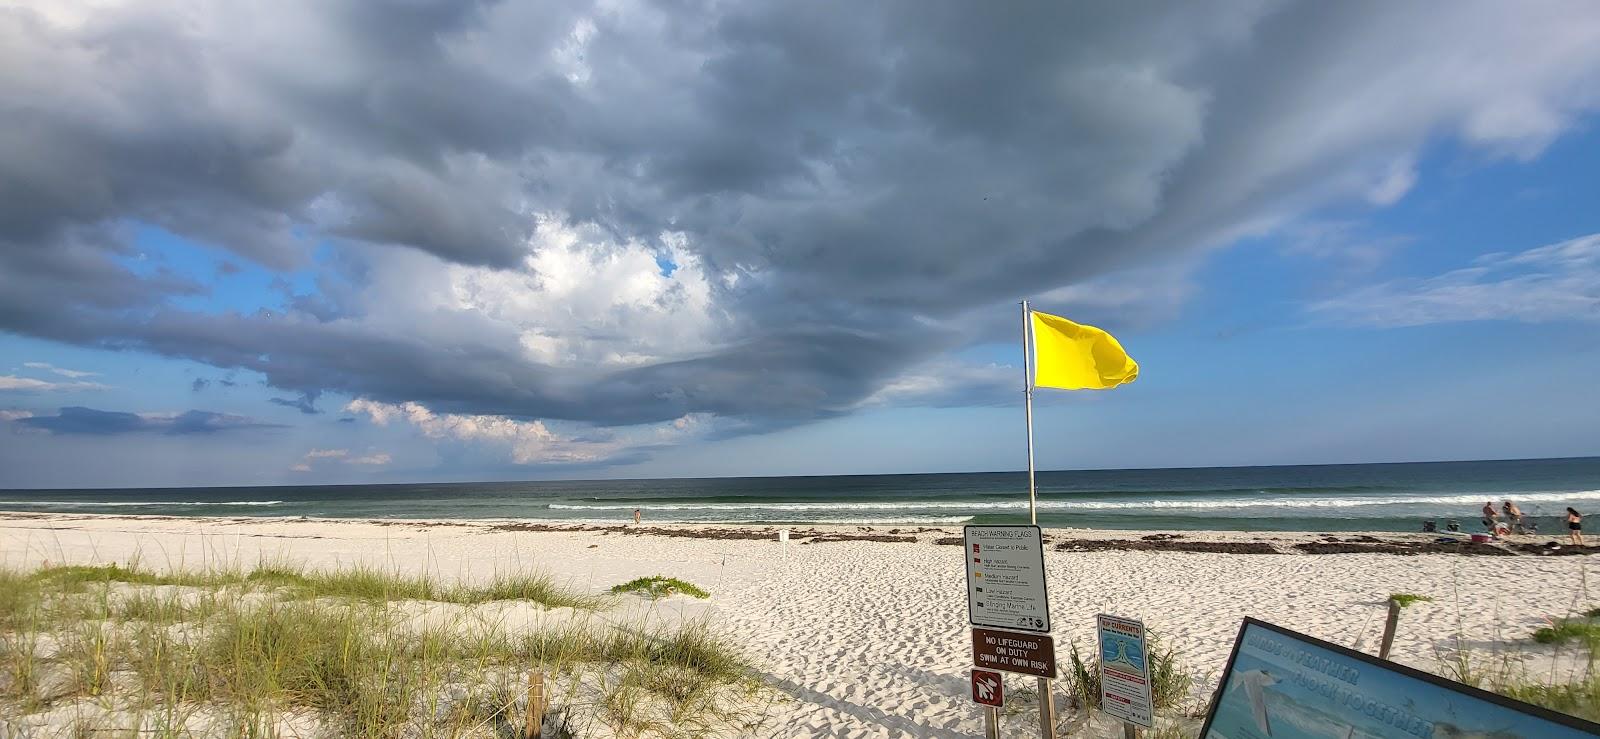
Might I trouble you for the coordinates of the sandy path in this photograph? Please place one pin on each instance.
(870, 639)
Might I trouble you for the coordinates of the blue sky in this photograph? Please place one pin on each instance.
(1355, 248)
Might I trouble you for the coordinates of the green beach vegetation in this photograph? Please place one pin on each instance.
(1405, 600)
(1574, 691)
(1584, 631)
(279, 650)
(1171, 684)
(658, 586)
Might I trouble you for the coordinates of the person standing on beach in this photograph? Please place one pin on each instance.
(1575, 526)
(636, 516)
(1490, 516)
(1513, 517)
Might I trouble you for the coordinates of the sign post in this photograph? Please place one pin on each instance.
(1006, 590)
(1125, 673)
(989, 692)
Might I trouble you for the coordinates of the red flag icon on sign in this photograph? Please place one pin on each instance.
(986, 688)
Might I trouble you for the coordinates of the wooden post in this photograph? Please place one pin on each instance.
(534, 725)
(1388, 629)
(991, 722)
(1130, 731)
(1047, 710)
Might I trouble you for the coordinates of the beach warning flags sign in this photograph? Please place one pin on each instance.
(1072, 356)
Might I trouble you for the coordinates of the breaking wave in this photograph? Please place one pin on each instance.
(1255, 505)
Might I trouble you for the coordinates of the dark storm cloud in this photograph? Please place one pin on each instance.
(874, 174)
(89, 421)
(225, 147)
(786, 377)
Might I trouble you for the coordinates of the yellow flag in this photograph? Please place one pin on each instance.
(1073, 356)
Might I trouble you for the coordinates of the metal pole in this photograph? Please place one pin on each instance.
(1027, 402)
(991, 723)
(1047, 703)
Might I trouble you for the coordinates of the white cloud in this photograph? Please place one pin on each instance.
(318, 456)
(69, 373)
(1558, 282)
(949, 382)
(12, 382)
(527, 442)
(1125, 298)
(14, 415)
(28, 384)
(581, 298)
(1394, 184)
(1347, 244)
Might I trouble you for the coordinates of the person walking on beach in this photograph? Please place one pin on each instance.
(1490, 516)
(636, 516)
(1575, 526)
(1513, 517)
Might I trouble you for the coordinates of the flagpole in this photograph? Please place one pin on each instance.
(1027, 402)
(1047, 703)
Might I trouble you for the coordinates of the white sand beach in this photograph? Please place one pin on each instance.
(870, 639)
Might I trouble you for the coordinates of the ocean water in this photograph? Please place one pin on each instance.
(1365, 497)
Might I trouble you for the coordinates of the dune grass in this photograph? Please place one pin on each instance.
(1170, 681)
(18, 595)
(250, 648)
(77, 578)
(537, 588)
(1506, 674)
(360, 582)
(1585, 631)
(1581, 698)
(659, 586)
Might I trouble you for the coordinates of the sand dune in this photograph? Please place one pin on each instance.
(869, 639)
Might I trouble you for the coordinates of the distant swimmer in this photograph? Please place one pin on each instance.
(1575, 526)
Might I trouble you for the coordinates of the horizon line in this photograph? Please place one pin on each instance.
(778, 477)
